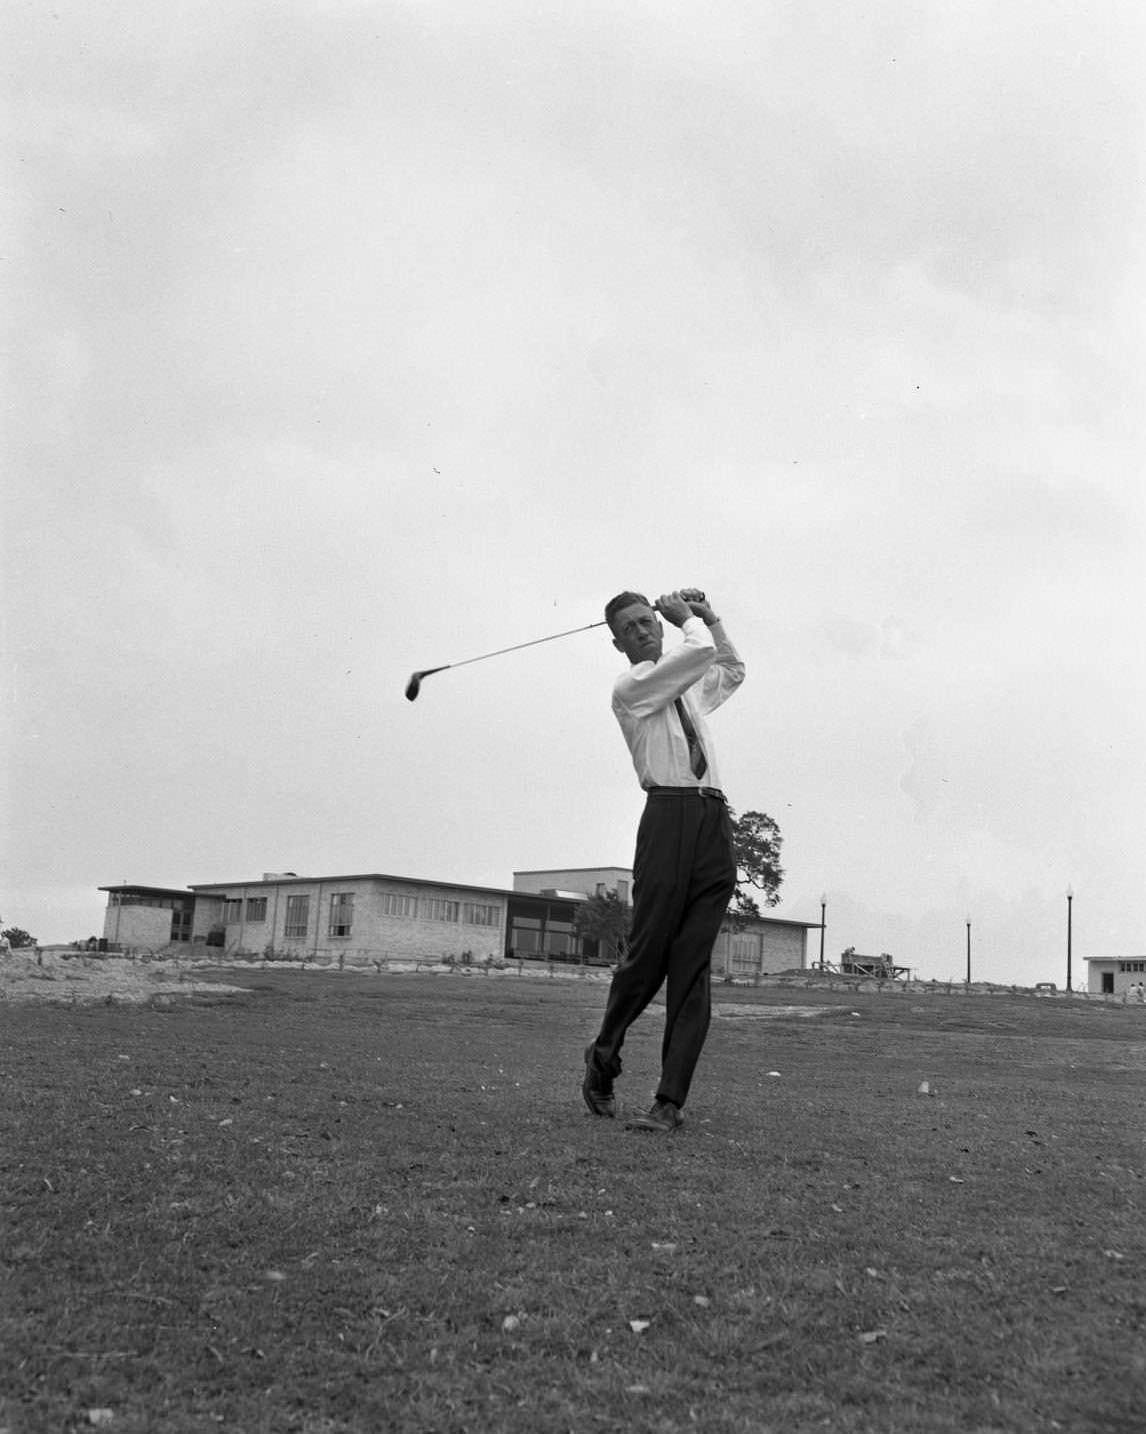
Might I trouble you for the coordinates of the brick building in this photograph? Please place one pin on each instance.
(374, 916)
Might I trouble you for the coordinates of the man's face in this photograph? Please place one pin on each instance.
(637, 632)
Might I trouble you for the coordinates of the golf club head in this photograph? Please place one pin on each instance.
(414, 686)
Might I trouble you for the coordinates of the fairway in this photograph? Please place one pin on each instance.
(343, 1203)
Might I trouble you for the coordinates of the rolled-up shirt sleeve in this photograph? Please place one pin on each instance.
(723, 676)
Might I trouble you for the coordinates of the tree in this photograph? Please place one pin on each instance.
(607, 920)
(18, 937)
(756, 840)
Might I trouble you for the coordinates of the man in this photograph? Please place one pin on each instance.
(684, 871)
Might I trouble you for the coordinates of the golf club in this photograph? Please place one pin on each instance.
(414, 686)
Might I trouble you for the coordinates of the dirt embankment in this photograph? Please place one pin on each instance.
(75, 978)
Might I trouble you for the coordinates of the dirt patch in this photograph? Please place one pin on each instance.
(79, 979)
(770, 1013)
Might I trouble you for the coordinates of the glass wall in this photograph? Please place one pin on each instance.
(541, 928)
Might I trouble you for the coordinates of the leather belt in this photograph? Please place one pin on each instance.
(686, 792)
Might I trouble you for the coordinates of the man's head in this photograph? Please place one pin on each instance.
(636, 629)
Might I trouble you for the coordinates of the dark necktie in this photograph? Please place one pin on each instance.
(696, 758)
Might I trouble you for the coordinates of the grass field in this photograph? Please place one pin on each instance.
(377, 1203)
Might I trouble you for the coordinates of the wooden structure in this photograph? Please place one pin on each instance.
(879, 968)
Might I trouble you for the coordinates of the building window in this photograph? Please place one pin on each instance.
(525, 936)
(1132, 965)
(395, 904)
(297, 917)
(341, 913)
(232, 909)
(559, 938)
(476, 914)
(437, 908)
(256, 908)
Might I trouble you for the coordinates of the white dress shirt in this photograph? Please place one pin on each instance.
(704, 670)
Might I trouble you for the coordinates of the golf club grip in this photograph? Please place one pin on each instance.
(696, 595)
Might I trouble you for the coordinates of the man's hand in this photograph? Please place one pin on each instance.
(699, 605)
(674, 608)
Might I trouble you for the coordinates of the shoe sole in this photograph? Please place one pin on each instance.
(653, 1127)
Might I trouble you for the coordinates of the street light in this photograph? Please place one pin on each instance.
(823, 924)
(1069, 914)
(968, 950)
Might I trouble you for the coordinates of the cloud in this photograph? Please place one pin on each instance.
(888, 639)
(358, 338)
(923, 781)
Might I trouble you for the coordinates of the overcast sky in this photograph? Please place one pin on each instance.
(358, 338)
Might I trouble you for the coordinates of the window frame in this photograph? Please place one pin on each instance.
(340, 901)
(294, 929)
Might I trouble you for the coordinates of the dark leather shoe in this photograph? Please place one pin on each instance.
(597, 1087)
(662, 1118)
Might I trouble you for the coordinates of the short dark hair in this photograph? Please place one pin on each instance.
(622, 601)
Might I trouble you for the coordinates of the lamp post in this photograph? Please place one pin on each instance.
(1069, 914)
(968, 951)
(823, 924)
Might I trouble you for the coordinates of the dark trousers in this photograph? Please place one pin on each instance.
(684, 874)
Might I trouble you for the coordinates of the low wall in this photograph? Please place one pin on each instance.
(833, 981)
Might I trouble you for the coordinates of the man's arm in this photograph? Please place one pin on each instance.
(648, 690)
(726, 673)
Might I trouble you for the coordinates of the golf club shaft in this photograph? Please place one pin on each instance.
(518, 645)
(414, 686)
(699, 597)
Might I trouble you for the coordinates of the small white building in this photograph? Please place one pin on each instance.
(1114, 975)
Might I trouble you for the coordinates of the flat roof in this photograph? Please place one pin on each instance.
(549, 870)
(148, 890)
(209, 886)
